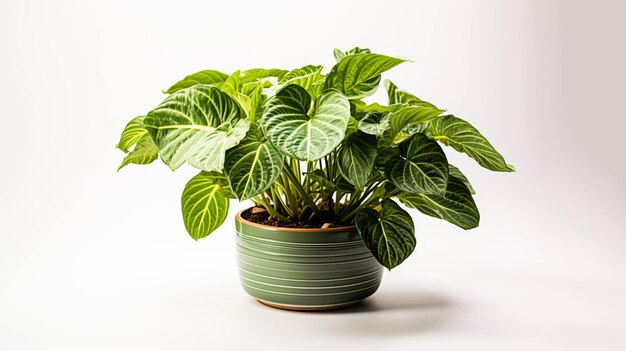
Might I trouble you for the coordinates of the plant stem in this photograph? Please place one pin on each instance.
(261, 199)
(306, 197)
(292, 203)
(362, 202)
(337, 203)
(277, 200)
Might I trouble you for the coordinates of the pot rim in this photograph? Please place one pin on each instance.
(240, 219)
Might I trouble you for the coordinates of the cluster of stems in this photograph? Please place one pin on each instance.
(296, 196)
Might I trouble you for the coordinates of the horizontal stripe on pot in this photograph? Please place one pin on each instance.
(316, 267)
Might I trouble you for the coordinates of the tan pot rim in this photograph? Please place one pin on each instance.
(240, 219)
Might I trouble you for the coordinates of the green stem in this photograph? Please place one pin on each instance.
(337, 203)
(347, 218)
(306, 197)
(291, 199)
(277, 200)
(362, 202)
(261, 199)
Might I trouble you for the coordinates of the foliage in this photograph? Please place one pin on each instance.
(305, 146)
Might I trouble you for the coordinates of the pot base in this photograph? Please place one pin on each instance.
(312, 308)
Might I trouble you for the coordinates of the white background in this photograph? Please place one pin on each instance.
(91, 259)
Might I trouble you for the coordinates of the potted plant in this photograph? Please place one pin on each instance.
(324, 169)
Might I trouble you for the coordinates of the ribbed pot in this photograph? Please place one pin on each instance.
(305, 269)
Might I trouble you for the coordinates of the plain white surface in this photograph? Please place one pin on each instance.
(91, 259)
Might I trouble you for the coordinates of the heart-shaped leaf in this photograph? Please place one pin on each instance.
(252, 166)
(358, 76)
(420, 166)
(463, 137)
(202, 77)
(196, 125)
(204, 205)
(388, 234)
(356, 158)
(288, 126)
(457, 205)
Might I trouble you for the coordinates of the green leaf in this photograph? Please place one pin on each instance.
(353, 126)
(463, 137)
(339, 55)
(388, 234)
(144, 152)
(202, 77)
(405, 117)
(344, 185)
(254, 91)
(232, 86)
(288, 126)
(132, 133)
(455, 172)
(254, 74)
(204, 205)
(384, 155)
(397, 96)
(320, 177)
(136, 136)
(356, 158)
(303, 77)
(374, 123)
(357, 76)
(420, 167)
(309, 77)
(252, 166)
(360, 108)
(220, 179)
(417, 201)
(196, 125)
(457, 205)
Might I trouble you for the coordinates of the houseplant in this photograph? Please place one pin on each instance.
(324, 169)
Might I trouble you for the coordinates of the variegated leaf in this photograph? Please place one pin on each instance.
(397, 96)
(463, 137)
(339, 55)
(420, 167)
(455, 206)
(388, 234)
(358, 76)
(356, 158)
(202, 77)
(133, 132)
(252, 166)
(204, 205)
(144, 152)
(405, 117)
(374, 123)
(196, 125)
(288, 126)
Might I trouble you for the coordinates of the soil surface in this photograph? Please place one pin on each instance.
(261, 216)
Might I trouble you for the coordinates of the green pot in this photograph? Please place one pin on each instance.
(305, 269)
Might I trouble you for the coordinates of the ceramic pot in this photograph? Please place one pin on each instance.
(305, 269)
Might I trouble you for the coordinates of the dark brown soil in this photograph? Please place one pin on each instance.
(265, 219)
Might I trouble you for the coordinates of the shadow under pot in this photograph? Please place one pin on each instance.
(305, 269)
